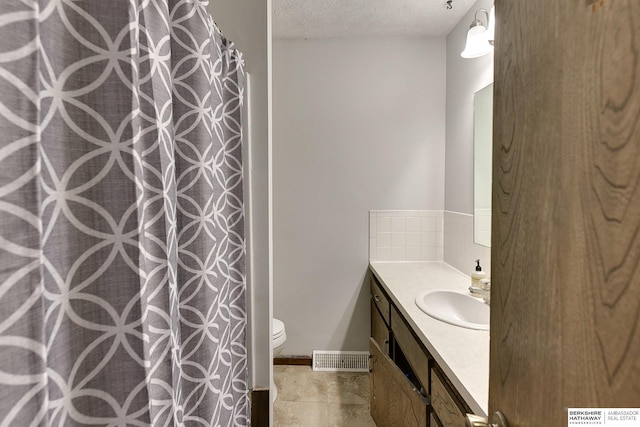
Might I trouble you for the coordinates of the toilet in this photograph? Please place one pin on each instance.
(279, 338)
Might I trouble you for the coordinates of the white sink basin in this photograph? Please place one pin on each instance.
(455, 308)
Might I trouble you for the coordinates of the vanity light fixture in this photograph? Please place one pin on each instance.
(477, 41)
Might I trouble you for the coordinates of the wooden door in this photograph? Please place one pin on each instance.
(565, 308)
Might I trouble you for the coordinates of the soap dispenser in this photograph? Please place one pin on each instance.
(477, 275)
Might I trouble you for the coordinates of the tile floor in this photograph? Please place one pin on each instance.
(320, 399)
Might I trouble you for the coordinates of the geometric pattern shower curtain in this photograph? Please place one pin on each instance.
(122, 283)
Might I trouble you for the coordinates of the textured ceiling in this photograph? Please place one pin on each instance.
(366, 18)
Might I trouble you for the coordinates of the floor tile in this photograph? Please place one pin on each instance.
(349, 415)
(348, 388)
(301, 414)
(321, 399)
(300, 384)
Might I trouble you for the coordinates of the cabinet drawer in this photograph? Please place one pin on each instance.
(394, 400)
(380, 299)
(445, 405)
(379, 329)
(412, 349)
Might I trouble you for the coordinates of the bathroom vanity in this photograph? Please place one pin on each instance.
(424, 372)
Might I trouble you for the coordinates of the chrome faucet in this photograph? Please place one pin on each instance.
(475, 291)
(485, 290)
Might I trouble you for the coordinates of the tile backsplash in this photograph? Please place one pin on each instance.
(406, 235)
(460, 251)
(426, 236)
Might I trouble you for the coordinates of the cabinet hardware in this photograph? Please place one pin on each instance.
(498, 420)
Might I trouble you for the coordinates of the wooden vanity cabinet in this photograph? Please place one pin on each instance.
(395, 400)
(407, 386)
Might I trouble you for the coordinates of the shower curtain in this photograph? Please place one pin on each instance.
(122, 284)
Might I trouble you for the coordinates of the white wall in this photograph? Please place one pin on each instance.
(248, 25)
(358, 125)
(464, 78)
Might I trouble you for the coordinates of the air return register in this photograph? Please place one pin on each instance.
(350, 361)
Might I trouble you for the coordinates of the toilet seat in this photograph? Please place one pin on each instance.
(279, 334)
(278, 328)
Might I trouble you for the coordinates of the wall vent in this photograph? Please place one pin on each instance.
(350, 361)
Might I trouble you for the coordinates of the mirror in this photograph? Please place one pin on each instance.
(482, 155)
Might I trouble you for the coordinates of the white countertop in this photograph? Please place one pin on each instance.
(462, 354)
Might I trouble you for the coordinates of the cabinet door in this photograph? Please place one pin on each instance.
(416, 356)
(394, 400)
(433, 420)
(446, 406)
(379, 330)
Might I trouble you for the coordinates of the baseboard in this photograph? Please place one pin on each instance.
(293, 360)
(260, 407)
